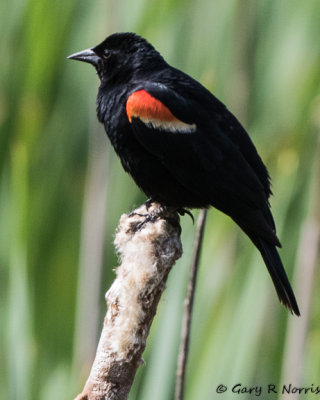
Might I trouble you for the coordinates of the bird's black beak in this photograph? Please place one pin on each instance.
(88, 56)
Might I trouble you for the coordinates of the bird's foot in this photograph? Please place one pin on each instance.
(153, 218)
(147, 218)
(161, 212)
(181, 211)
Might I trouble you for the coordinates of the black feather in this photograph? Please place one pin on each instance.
(278, 275)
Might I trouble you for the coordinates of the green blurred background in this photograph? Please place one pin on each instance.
(63, 191)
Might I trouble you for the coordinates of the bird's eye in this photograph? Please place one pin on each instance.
(106, 55)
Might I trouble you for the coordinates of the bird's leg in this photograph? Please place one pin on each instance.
(148, 204)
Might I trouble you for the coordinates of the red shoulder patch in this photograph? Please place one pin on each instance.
(142, 105)
(151, 111)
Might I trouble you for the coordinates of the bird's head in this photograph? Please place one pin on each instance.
(120, 57)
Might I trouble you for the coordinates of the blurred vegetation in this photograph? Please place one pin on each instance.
(63, 191)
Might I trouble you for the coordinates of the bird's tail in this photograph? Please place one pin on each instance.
(279, 277)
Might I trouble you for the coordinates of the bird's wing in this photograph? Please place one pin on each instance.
(232, 128)
(195, 150)
(226, 121)
(209, 161)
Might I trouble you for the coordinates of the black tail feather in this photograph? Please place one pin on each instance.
(278, 275)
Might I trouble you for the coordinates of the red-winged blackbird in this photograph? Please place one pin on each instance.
(181, 145)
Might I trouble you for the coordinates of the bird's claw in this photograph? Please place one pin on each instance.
(183, 211)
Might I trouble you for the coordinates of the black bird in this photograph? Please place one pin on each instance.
(181, 145)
